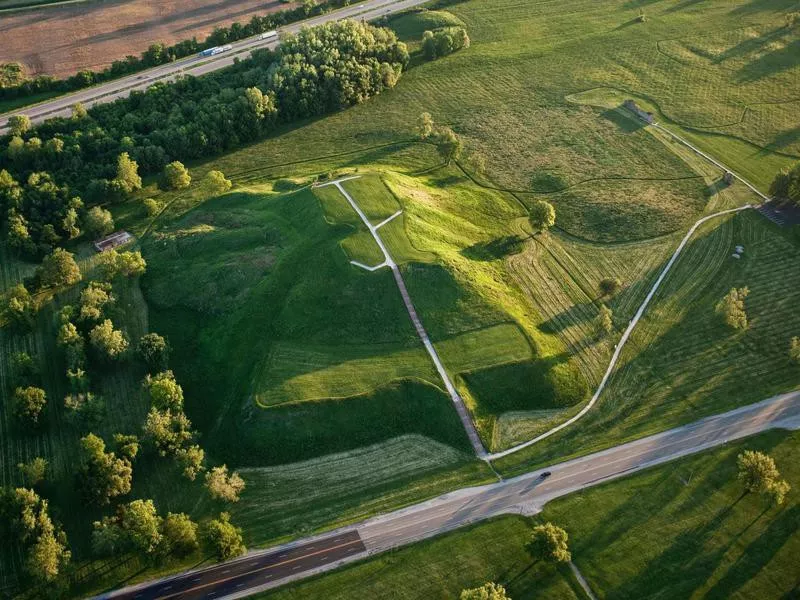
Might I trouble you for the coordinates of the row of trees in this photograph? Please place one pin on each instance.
(444, 41)
(54, 169)
(14, 84)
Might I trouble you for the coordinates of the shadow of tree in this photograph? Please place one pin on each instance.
(625, 122)
(494, 249)
(757, 554)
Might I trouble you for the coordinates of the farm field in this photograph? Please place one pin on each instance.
(683, 529)
(61, 40)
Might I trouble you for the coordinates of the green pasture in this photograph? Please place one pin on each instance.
(682, 362)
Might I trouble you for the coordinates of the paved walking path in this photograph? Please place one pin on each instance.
(461, 409)
(713, 161)
(623, 340)
(582, 581)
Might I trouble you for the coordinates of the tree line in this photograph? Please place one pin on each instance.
(59, 167)
(14, 84)
(91, 342)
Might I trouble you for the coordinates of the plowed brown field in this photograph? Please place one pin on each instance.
(61, 40)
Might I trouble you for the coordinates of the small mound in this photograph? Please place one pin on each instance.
(411, 26)
(526, 385)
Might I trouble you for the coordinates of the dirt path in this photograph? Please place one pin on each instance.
(461, 409)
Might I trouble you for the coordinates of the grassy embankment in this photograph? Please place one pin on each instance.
(681, 530)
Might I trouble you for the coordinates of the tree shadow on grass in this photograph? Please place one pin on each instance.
(494, 249)
(771, 63)
(627, 124)
(716, 187)
(577, 313)
(757, 554)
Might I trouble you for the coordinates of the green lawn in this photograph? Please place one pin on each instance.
(681, 530)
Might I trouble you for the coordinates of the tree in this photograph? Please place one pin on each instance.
(549, 543)
(448, 144)
(604, 322)
(141, 524)
(542, 216)
(167, 430)
(78, 111)
(222, 486)
(179, 534)
(109, 342)
(94, 298)
(127, 445)
(29, 403)
(732, 309)
(103, 475)
(151, 207)
(757, 471)
(127, 178)
(48, 556)
(425, 126)
(85, 409)
(19, 124)
(20, 308)
(216, 183)
(794, 349)
(24, 369)
(488, 591)
(176, 176)
(164, 391)
(98, 222)
(609, 287)
(191, 459)
(154, 350)
(127, 264)
(33, 472)
(47, 551)
(777, 491)
(59, 269)
(224, 538)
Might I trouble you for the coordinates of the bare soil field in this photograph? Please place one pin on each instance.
(61, 40)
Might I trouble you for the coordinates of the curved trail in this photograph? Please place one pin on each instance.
(622, 341)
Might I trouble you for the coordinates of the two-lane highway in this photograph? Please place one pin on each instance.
(196, 65)
(525, 494)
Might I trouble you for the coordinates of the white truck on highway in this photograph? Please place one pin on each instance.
(268, 34)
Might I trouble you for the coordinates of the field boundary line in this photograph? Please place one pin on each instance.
(458, 402)
(623, 340)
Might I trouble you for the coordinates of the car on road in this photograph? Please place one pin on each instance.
(544, 474)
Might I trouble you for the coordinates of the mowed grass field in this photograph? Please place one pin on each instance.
(680, 530)
(706, 65)
(682, 362)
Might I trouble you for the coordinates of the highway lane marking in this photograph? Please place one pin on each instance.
(285, 562)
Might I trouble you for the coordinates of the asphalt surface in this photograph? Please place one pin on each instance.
(525, 494)
(388, 261)
(195, 65)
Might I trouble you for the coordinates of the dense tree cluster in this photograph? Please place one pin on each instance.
(732, 308)
(104, 475)
(444, 41)
(97, 157)
(45, 543)
(14, 84)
